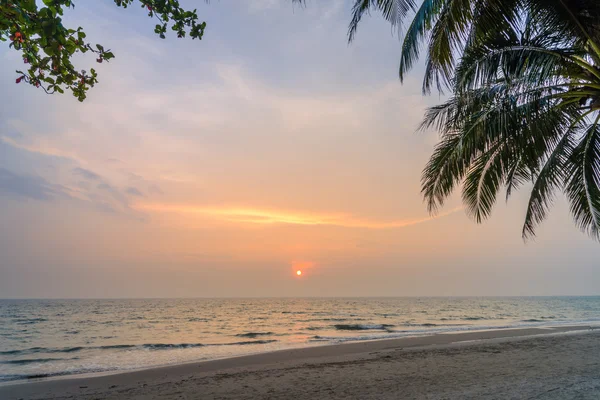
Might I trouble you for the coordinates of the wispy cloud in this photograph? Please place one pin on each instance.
(25, 186)
(87, 174)
(266, 216)
(43, 150)
(134, 192)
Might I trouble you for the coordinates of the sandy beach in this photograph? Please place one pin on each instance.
(533, 363)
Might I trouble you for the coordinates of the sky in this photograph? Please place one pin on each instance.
(217, 168)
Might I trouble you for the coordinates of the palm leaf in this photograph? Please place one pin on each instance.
(416, 33)
(583, 182)
(394, 11)
(546, 182)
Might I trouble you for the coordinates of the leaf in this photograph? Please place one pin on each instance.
(583, 182)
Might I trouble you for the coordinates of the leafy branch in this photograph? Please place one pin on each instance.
(47, 46)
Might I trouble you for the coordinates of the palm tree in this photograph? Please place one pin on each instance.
(525, 106)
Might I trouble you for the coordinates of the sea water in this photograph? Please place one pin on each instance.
(40, 339)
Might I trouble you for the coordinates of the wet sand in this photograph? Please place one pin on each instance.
(533, 363)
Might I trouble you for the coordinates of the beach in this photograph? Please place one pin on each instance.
(530, 363)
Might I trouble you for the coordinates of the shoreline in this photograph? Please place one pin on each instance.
(489, 333)
(80, 385)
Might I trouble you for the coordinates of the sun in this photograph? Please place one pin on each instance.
(301, 269)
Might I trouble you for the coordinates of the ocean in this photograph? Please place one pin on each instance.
(41, 339)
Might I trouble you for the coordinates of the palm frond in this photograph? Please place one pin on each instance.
(416, 33)
(518, 173)
(583, 182)
(394, 11)
(483, 180)
(525, 82)
(447, 39)
(443, 172)
(549, 178)
(577, 19)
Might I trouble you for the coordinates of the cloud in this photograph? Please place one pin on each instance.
(267, 216)
(105, 207)
(114, 194)
(87, 174)
(40, 149)
(134, 192)
(155, 189)
(23, 186)
(104, 195)
(135, 180)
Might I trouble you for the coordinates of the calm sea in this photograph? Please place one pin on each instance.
(48, 338)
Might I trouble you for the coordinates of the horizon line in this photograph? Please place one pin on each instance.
(297, 297)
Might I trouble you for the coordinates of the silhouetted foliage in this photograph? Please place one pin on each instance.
(48, 47)
(524, 78)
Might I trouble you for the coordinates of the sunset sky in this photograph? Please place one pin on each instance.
(220, 167)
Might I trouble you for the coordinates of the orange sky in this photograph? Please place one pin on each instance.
(220, 167)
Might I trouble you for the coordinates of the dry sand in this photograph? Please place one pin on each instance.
(557, 363)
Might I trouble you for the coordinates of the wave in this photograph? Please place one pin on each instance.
(146, 346)
(254, 334)
(31, 361)
(329, 319)
(19, 377)
(361, 327)
(314, 328)
(163, 346)
(432, 325)
(532, 320)
(247, 342)
(442, 328)
(167, 346)
(28, 321)
(10, 352)
(41, 350)
(8, 378)
(111, 346)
